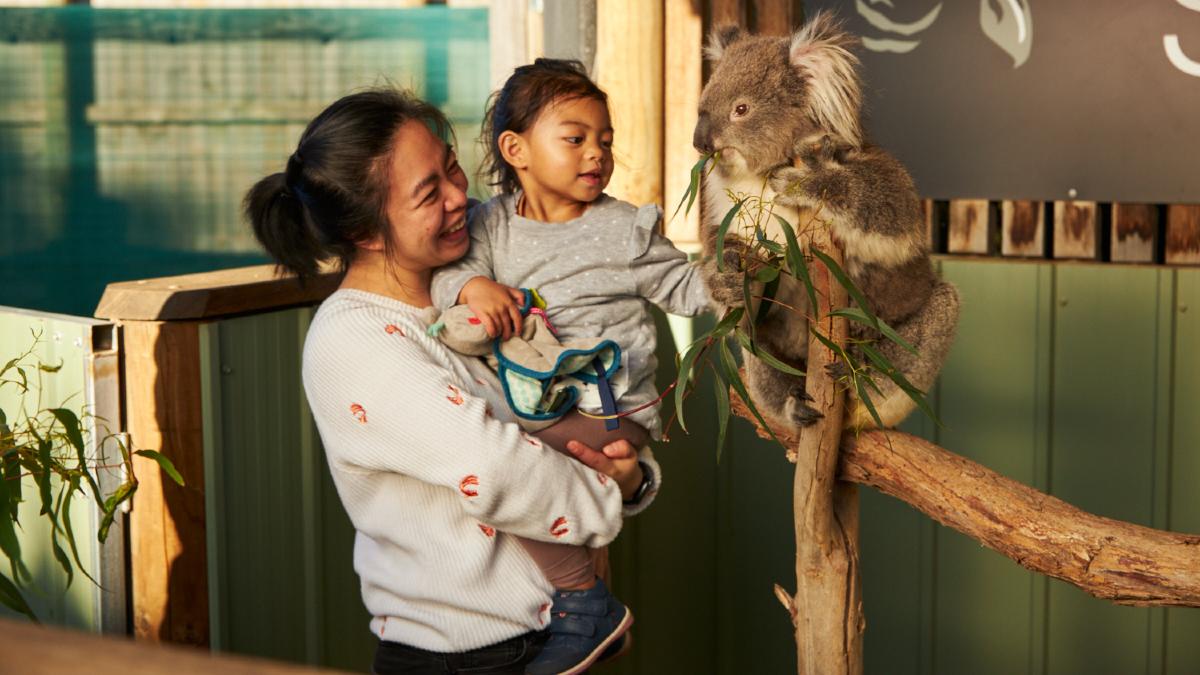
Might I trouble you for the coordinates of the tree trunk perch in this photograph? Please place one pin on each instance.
(827, 608)
(1126, 563)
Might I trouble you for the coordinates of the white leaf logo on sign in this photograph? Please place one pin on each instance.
(882, 22)
(1175, 53)
(1011, 27)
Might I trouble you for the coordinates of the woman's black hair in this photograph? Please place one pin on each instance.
(333, 193)
(519, 102)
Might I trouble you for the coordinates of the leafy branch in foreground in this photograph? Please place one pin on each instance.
(51, 446)
(773, 250)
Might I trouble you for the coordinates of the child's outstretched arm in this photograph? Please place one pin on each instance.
(662, 272)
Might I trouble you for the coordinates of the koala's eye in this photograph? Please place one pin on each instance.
(741, 110)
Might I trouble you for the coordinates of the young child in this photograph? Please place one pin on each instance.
(598, 263)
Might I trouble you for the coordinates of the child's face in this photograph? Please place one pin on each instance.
(568, 151)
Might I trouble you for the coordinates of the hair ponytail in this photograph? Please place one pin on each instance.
(280, 226)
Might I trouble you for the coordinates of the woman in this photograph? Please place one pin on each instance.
(423, 450)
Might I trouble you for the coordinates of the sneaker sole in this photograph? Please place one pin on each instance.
(620, 630)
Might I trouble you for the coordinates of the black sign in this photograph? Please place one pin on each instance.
(1035, 99)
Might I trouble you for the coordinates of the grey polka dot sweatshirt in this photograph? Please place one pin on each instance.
(598, 274)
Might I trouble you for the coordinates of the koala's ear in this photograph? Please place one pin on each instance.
(820, 50)
(722, 37)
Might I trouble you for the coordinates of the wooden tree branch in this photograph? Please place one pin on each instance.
(829, 626)
(1126, 563)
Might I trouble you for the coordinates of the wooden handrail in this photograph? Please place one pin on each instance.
(209, 295)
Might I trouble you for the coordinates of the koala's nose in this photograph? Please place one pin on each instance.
(702, 138)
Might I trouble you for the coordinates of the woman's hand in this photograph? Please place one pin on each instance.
(618, 460)
(496, 305)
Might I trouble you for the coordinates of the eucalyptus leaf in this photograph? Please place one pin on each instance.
(769, 293)
(857, 315)
(685, 375)
(42, 476)
(721, 389)
(61, 556)
(110, 508)
(865, 398)
(766, 356)
(797, 267)
(721, 231)
(164, 463)
(772, 246)
(10, 597)
(840, 274)
(735, 381)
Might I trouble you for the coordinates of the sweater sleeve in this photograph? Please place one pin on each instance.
(448, 281)
(662, 272)
(388, 405)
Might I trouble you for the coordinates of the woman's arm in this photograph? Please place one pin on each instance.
(397, 404)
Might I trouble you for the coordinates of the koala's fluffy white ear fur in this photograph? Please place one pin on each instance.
(721, 37)
(821, 51)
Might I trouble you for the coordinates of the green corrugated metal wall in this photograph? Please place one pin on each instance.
(1077, 379)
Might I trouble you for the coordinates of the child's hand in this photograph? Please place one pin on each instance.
(496, 305)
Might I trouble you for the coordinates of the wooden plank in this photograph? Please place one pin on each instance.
(508, 40)
(168, 551)
(1134, 232)
(1076, 230)
(728, 12)
(774, 17)
(1106, 329)
(46, 649)
(208, 295)
(1023, 229)
(681, 99)
(1183, 234)
(629, 66)
(971, 227)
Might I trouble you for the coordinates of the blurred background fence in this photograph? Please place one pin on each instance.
(128, 137)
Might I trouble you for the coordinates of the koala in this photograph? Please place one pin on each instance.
(784, 115)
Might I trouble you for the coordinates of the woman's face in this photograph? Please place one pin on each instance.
(427, 201)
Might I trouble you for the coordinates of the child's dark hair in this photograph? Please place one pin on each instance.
(519, 102)
(334, 191)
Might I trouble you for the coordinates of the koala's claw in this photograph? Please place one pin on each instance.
(786, 181)
(837, 370)
(800, 413)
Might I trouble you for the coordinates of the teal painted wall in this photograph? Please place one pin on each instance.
(1077, 379)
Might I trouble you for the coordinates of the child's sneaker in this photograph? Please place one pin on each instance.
(583, 624)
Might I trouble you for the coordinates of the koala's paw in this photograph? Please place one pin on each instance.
(797, 409)
(788, 184)
(725, 284)
(838, 370)
(825, 178)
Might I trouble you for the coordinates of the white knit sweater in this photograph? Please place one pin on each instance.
(433, 472)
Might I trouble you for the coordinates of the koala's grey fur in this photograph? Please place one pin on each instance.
(800, 132)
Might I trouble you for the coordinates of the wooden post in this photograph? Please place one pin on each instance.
(160, 320)
(971, 227)
(1076, 230)
(827, 607)
(681, 92)
(1134, 232)
(168, 549)
(629, 66)
(775, 17)
(1023, 229)
(729, 12)
(1183, 234)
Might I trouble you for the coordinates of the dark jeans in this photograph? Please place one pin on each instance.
(510, 656)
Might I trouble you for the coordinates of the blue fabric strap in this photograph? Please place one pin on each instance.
(608, 403)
